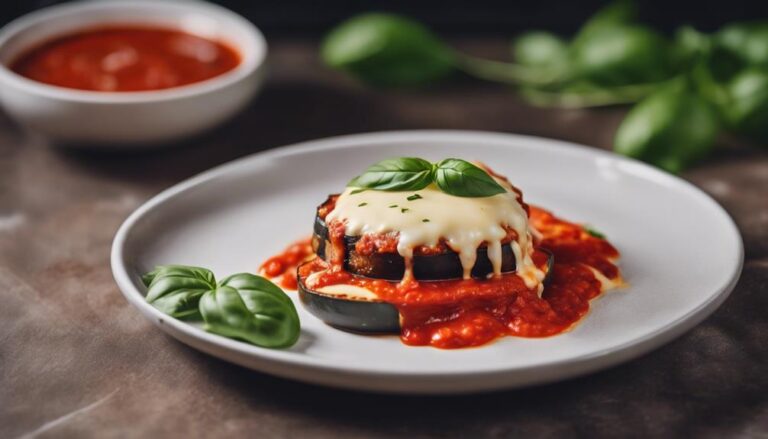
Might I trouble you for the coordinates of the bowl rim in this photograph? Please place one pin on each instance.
(251, 61)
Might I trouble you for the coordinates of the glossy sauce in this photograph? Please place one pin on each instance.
(282, 268)
(125, 59)
(465, 313)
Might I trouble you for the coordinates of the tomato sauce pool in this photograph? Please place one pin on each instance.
(466, 313)
(126, 59)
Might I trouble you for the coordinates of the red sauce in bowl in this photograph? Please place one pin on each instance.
(126, 59)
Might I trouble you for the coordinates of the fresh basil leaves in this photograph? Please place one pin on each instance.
(672, 115)
(463, 179)
(613, 59)
(456, 177)
(271, 320)
(388, 50)
(175, 289)
(242, 306)
(399, 174)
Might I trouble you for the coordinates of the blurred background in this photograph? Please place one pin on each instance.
(499, 17)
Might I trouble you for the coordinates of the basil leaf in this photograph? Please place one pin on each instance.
(388, 50)
(747, 40)
(176, 290)
(250, 308)
(671, 128)
(225, 313)
(275, 311)
(623, 55)
(463, 179)
(747, 111)
(242, 306)
(593, 232)
(147, 278)
(181, 304)
(615, 14)
(162, 271)
(398, 174)
(245, 282)
(278, 321)
(540, 49)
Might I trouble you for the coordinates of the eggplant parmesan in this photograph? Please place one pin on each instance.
(449, 257)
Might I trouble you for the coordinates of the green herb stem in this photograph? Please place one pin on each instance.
(506, 73)
(594, 98)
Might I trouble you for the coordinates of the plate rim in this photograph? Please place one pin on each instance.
(599, 359)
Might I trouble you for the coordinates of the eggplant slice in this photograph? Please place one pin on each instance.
(362, 316)
(351, 315)
(391, 266)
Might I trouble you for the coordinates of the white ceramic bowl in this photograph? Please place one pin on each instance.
(113, 118)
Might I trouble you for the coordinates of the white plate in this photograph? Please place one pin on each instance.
(681, 254)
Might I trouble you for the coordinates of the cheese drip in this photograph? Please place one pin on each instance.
(425, 216)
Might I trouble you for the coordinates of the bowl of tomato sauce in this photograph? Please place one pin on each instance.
(119, 72)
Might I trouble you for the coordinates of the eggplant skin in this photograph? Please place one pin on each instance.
(360, 316)
(351, 315)
(391, 266)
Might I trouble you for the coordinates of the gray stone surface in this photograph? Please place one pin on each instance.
(77, 361)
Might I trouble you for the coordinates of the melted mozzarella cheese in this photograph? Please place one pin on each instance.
(464, 223)
(606, 283)
(349, 292)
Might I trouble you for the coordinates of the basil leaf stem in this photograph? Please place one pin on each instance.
(584, 96)
(505, 72)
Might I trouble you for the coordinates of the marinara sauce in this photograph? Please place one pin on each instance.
(282, 268)
(473, 312)
(126, 59)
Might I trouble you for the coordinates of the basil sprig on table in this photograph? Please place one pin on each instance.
(242, 306)
(455, 177)
(612, 59)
